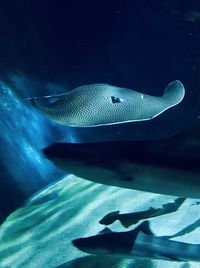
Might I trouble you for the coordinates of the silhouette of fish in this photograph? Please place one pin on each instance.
(139, 242)
(128, 219)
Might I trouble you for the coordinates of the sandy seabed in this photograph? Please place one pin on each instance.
(39, 234)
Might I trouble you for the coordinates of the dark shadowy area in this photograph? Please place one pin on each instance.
(132, 43)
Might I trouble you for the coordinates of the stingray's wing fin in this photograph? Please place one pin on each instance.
(174, 93)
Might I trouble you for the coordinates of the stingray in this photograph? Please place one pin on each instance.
(103, 104)
(102, 112)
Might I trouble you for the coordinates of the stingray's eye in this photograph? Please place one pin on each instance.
(115, 100)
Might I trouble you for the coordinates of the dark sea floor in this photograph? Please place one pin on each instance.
(39, 234)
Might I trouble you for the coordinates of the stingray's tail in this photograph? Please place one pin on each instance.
(174, 93)
(50, 109)
(44, 108)
(37, 102)
(32, 100)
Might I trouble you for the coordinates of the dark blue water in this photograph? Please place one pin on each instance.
(51, 46)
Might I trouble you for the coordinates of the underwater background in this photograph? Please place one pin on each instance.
(50, 47)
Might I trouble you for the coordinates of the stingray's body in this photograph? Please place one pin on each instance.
(138, 243)
(168, 166)
(103, 104)
(102, 112)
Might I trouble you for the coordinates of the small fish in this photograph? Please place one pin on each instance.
(128, 219)
(139, 242)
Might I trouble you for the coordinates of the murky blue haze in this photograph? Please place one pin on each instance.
(50, 47)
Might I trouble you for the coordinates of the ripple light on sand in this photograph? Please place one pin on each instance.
(39, 234)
